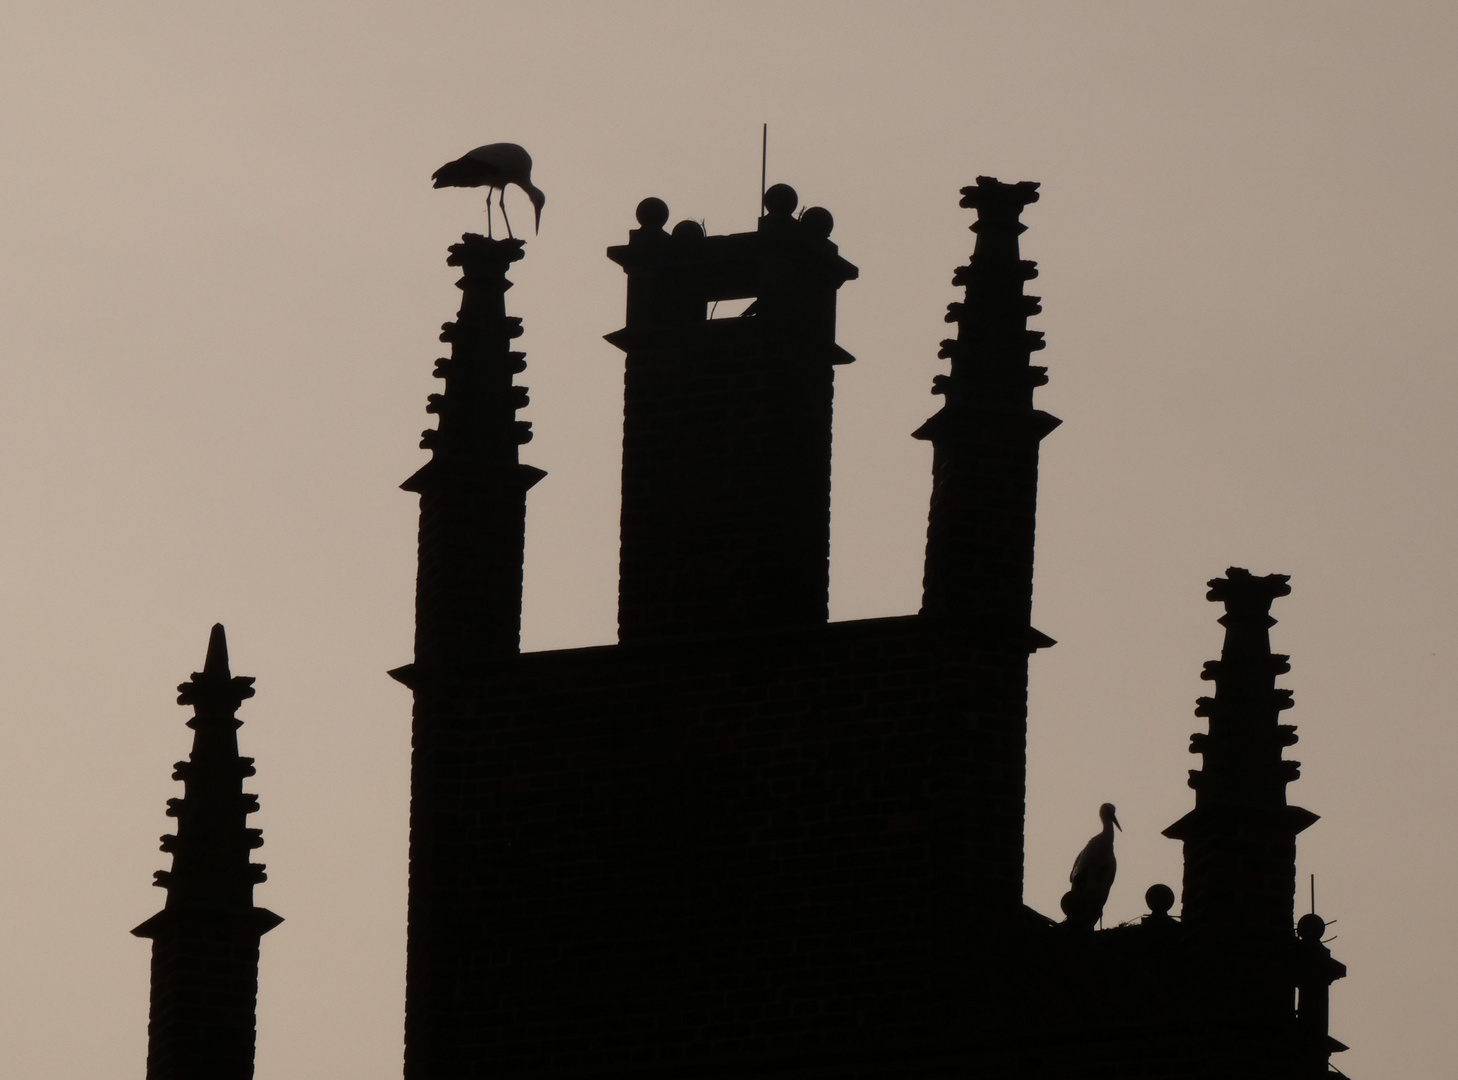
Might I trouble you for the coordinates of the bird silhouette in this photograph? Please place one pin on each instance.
(493, 167)
(1093, 874)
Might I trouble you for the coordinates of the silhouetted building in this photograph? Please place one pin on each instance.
(748, 841)
(205, 939)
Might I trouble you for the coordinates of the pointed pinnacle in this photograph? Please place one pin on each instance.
(215, 683)
(217, 660)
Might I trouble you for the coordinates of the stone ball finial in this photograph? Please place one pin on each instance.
(817, 221)
(1310, 927)
(1160, 899)
(688, 229)
(781, 200)
(652, 213)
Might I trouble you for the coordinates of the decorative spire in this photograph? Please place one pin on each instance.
(978, 583)
(478, 426)
(1240, 839)
(979, 555)
(210, 850)
(990, 354)
(473, 490)
(205, 939)
(1242, 751)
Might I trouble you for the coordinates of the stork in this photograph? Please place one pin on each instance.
(1093, 874)
(493, 167)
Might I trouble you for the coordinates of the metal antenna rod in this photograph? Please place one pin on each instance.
(1313, 894)
(763, 167)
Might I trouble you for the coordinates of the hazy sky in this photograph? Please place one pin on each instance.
(223, 277)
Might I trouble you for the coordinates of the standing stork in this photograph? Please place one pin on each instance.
(1093, 874)
(493, 167)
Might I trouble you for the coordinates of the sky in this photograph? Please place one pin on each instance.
(222, 277)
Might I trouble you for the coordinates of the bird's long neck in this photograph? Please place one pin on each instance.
(537, 197)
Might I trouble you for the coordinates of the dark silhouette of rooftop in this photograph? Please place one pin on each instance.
(745, 840)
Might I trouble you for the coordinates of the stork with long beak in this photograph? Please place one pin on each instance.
(1093, 874)
(493, 167)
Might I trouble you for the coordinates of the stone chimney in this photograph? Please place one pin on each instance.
(726, 427)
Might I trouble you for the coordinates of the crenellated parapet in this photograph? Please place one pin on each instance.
(205, 939)
(473, 489)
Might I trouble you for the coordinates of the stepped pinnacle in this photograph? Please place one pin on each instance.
(216, 663)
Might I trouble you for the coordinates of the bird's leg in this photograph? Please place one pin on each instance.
(489, 236)
(503, 215)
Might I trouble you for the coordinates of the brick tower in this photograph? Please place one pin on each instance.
(726, 423)
(742, 837)
(205, 940)
(744, 840)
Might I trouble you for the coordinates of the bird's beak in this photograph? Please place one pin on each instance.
(1117, 825)
(538, 207)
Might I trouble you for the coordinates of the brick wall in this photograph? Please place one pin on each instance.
(726, 484)
(204, 996)
(730, 849)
